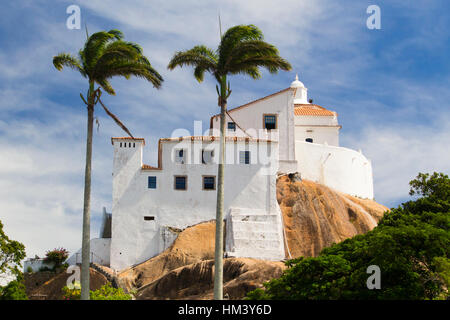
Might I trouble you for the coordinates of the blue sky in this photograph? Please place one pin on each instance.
(389, 86)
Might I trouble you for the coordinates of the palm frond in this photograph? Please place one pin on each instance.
(201, 58)
(118, 51)
(104, 83)
(271, 63)
(95, 45)
(235, 35)
(133, 68)
(117, 34)
(67, 60)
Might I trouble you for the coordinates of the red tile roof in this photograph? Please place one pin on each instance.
(312, 110)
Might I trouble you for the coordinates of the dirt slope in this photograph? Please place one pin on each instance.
(52, 289)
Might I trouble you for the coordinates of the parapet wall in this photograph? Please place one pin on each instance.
(339, 168)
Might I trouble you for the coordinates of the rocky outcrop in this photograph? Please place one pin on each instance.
(316, 216)
(195, 281)
(194, 244)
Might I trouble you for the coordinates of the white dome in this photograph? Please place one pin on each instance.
(296, 83)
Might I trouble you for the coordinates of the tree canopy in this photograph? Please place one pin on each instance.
(11, 254)
(410, 245)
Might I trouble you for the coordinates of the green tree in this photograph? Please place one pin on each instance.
(11, 254)
(411, 246)
(242, 50)
(14, 290)
(104, 56)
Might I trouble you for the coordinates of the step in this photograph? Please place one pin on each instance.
(256, 244)
(255, 218)
(258, 235)
(254, 226)
(262, 255)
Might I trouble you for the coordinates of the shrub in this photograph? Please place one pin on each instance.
(30, 269)
(106, 292)
(57, 256)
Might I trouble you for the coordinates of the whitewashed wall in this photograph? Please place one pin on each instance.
(36, 264)
(100, 252)
(250, 118)
(320, 128)
(340, 168)
(135, 240)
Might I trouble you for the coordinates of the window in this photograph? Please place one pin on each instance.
(270, 121)
(149, 218)
(207, 156)
(231, 126)
(309, 140)
(180, 183)
(209, 183)
(152, 182)
(179, 156)
(244, 157)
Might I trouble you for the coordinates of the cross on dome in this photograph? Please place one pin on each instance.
(296, 83)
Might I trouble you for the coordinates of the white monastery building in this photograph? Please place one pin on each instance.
(278, 134)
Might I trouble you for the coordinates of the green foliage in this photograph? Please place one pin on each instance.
(106, 55)
(242, 50)
(106, 292)
(11, 254)
(56, 256)
(14, 290)
(411, 245)
(73, 293)
(30, 269)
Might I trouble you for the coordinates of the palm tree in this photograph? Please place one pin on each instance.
(242, 50)
(103, 56)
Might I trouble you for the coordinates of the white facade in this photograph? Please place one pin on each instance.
(141, 215)
(280, 133)
(100, 252)
(308, 136)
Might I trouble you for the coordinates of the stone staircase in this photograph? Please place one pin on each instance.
(254, 234)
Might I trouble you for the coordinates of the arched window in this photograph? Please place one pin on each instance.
(309, 140)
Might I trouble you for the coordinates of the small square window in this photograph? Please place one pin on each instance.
(180, 182)
(244, 157)
(152, 182)
(270, 122)
(231, 126)
(209, 183)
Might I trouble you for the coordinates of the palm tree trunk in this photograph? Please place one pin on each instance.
(85, 245)
(218, 256)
